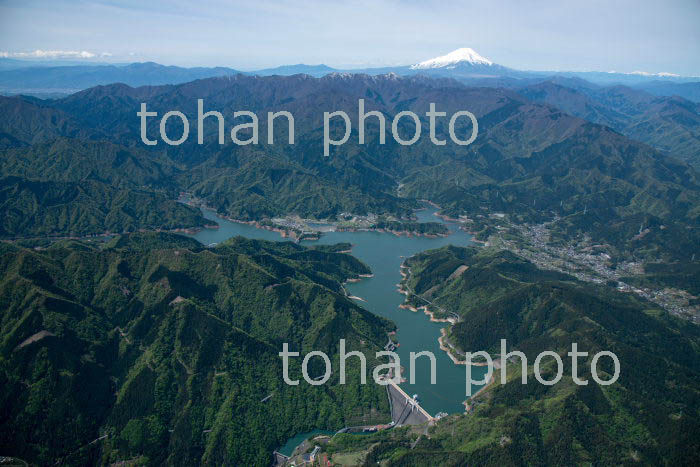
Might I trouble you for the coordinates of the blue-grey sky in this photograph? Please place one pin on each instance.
(626, 35)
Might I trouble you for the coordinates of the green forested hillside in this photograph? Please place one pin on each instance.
(165, 351)
(594, 183)
(267, 187)
(36, 208)
(69, 159)
(670, 124)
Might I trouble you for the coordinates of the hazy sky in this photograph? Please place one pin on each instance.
(625, 35)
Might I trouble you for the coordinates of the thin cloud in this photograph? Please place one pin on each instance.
(54, 54)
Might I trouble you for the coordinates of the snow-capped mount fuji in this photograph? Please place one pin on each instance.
(463, 63)
(464, 55)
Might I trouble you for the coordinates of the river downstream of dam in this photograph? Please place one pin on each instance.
(384, 253)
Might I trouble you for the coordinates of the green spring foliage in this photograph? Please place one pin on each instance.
(169, 349)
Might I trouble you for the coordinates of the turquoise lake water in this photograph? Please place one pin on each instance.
(295, 441)
(384, 253)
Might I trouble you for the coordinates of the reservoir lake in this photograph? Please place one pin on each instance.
(384, 253)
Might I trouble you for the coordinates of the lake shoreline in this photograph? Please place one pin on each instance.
(443, 339)
(384, 255)
(315, 234)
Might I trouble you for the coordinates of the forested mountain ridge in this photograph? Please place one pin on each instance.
(531, 161)
(61, 179)
(26, 120)
(71, 159)
(40, 209)
(166, 350)
(670, 124)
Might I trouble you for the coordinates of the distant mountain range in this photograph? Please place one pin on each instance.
(464, 64)
(72, 78)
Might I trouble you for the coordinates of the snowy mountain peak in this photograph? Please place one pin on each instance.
(453, 58)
